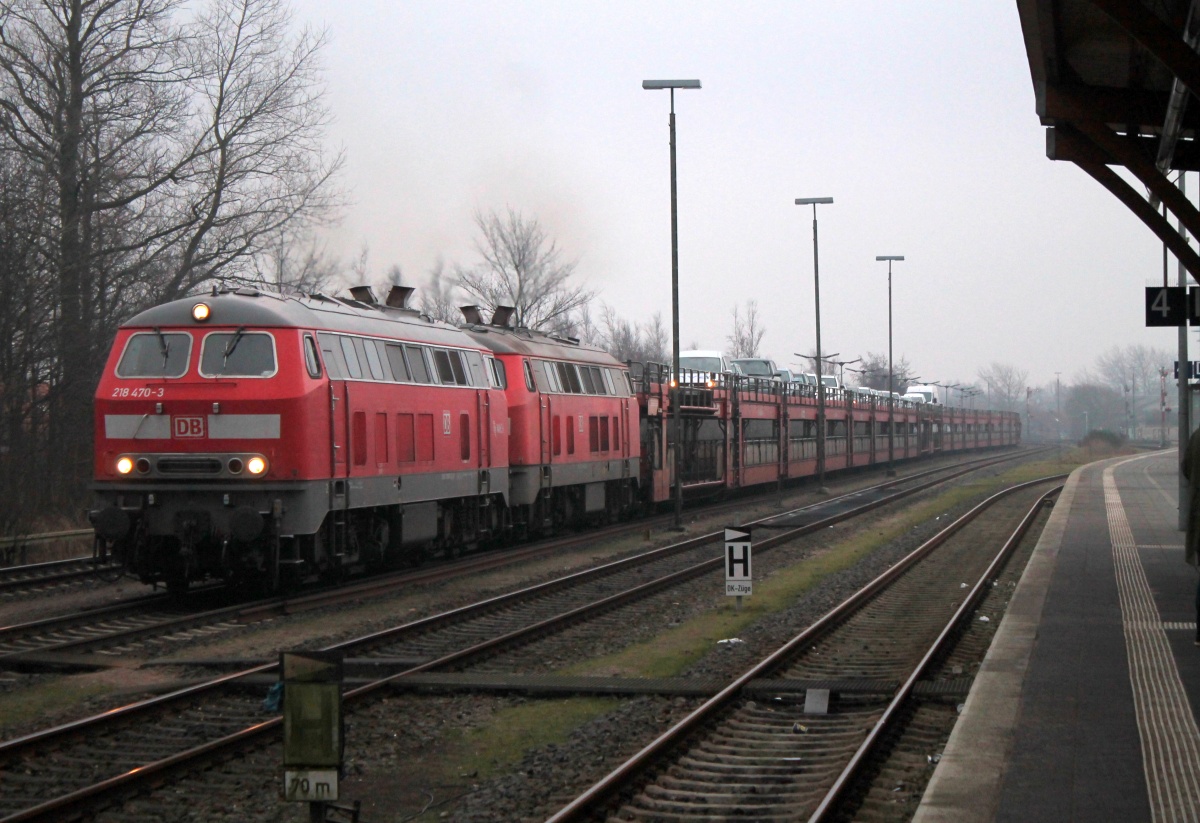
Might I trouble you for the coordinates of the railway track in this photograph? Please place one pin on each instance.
(789, 737)
(39, 578)
(153, 623)
(166, 734)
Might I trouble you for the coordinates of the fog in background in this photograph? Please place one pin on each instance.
(917, 118)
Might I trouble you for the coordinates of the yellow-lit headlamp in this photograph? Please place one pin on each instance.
(201, 312)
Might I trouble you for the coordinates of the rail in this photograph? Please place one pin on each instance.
(599, 794)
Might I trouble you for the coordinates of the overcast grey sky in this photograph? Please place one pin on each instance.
(917, 118)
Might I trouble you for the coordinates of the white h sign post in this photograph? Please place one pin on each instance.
(737, 565)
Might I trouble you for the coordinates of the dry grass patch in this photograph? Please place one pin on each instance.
(496, 748)
(46, 700)
(675, 650)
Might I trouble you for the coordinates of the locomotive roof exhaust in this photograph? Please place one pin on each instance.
(363, 294)
(472, 315)
(398, 296)
(502, 315)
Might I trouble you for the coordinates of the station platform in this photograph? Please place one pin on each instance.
(1085, 707)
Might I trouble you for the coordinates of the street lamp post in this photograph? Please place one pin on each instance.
(676, 424)
(1058, 407)
(842, 364)
(814, 202)
(891, 371)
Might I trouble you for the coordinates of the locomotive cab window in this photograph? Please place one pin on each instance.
(311, 361)
(238, 354)
(156, 354)
(496, 373)
(597, 380)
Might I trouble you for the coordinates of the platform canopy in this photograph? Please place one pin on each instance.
(1115, 84)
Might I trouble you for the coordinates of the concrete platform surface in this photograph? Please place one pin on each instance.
(1085, 708)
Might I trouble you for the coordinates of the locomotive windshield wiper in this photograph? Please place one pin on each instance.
(231, 345)
(164, 347)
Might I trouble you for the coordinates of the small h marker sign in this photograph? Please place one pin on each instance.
(738, 574)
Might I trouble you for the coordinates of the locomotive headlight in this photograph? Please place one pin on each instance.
(200, 312)
(256, 465)
(124, 465)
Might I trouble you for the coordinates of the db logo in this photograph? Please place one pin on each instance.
(187, 426)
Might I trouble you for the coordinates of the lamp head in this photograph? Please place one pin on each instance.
(654, 85)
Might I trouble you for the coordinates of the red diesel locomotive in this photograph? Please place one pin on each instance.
(271, 439)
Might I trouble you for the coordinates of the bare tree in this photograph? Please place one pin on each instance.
(1006, 384)
(747, 332)
(1091, 406)
(172, 151)
(27, 300)
(522, 268)
(292, 261)
(360, 266)
(258, 162)
(92, 100)
(657, 341)
(624, 340)
(168, 153)
(874, 372)
(439, 299)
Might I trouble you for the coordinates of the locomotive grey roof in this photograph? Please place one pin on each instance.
(254, 309)
(531, 343)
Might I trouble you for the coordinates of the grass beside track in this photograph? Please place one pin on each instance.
(674, 651)
(46, 699)
(494, 746)
(485, 752)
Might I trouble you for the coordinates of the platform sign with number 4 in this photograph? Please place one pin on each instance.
(1172, 306)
